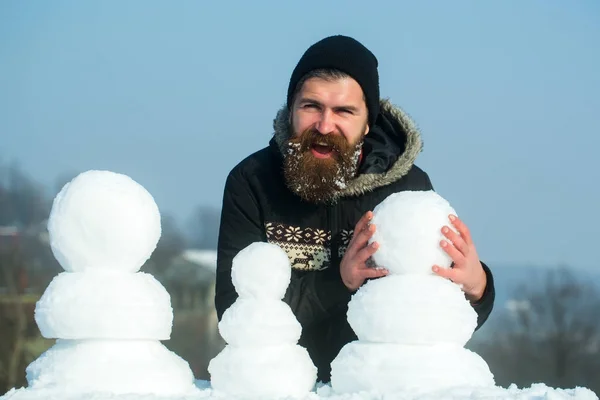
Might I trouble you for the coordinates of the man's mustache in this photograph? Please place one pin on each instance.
(311, 136)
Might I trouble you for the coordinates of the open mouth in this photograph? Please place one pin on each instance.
(322, 150)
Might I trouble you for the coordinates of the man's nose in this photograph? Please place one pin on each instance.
(325, 124)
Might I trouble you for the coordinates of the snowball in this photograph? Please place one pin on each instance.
(269, 372)
(259, 322)
(408, 230)
(412, 309)
(100, 305)
(116, 367)
(390, 368)
(261, 270)
(103, 220)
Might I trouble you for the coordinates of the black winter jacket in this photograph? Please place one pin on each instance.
(257, 206)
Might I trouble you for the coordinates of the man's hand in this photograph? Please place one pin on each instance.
(353, 268)
(467, 269)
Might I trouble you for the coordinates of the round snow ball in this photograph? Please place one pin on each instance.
(261, 270)
(409, 231)
(103, 220)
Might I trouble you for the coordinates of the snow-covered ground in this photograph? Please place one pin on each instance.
(324, 392)
(109, 318)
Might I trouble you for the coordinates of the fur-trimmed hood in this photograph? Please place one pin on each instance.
(389, 151)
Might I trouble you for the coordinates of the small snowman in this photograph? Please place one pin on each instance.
(412, 325)
(262, 358)
(108, 318)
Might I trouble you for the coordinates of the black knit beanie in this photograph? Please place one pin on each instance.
(345, 54)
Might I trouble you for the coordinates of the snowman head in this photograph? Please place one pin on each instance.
(103, 221)
(408, 230)
(261, 270)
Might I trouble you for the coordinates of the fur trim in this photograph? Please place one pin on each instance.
(367, 182)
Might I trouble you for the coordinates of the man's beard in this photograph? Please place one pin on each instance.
(318, 180)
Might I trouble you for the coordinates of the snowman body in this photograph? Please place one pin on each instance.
(411, 325)
(107, 316)
(262, 358)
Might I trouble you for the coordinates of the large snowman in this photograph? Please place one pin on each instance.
(108, 318)
(412, 325)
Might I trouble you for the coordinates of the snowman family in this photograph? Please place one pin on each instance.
(109, 318)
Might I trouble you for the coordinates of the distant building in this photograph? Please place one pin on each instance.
(36, 263)
(190, 278)
(9, 236)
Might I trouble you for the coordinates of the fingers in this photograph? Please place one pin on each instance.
(363, 222)
(366, 252)
(456, 240)
(371, 273)
(361, 240)
(448, 273)
(360, 227)
(462, 229)
(456, 256)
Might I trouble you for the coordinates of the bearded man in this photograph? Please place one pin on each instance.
(338, 150)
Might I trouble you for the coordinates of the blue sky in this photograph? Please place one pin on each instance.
(174, 94)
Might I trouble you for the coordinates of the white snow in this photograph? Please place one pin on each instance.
(259, 322)
(261, 270)
(204, 391)
(107, 317)
(363, 366)
(103, 220)
(408, 230)
(421, 309)
(411, 325)
(103, 226)
(262, 358)
(265, 372)
(104, 305)
(115, 366)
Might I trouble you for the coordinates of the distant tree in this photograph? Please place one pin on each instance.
(14, 320)
(26, 267)
(23, 201)
(203, 227)
(25, 206)
(170, 245)
(550, 335)
(62, 180)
